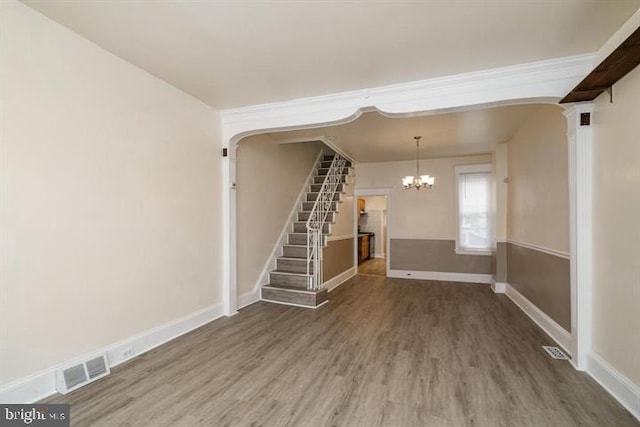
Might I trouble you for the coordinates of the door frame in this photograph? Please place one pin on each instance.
(386, 192)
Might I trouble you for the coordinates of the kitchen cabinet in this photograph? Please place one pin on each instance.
(361, 206)
(365, 246)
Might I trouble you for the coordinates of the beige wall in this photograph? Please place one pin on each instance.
(501, 188)
(375, 203)
(616, 231)
(424, 214)
(538, 213)
(110, 207)
(344, 219)
(538, 190)
(269, 178)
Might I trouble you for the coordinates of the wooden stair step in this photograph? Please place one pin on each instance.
(312, 196)
(300, 239)
(307, 206)
(315, 188)
(286, 278)
(286, 295)
(301, 227)
(328, 158)
(304, 216)
(297, 238)
(320, 179)
(294, 251)
(324, 171)
(293, 265)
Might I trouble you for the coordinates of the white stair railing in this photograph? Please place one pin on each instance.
(317, 220)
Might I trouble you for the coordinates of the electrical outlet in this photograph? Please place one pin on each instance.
(126, 353)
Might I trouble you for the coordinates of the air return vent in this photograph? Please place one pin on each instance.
(555, 352)
(75, 376)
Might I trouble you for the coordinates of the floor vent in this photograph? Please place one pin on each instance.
(75, 376)
(555, 352)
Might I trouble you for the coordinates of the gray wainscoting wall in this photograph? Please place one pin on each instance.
(542, 278)
(435, 255)
(338, 257)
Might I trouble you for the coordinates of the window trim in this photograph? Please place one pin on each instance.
(461, 170)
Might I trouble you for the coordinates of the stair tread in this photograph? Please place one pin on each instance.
(293, 289)
(292, 258)
(291, 273)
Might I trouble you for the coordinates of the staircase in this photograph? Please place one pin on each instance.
(297, 279)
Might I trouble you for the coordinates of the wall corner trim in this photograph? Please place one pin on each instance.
(540, 318)
(619, 386)
(498, 287)
(42, 384)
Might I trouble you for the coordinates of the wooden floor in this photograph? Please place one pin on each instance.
(382, 352)
(373, 266)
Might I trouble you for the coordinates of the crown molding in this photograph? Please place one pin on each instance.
(535, 82)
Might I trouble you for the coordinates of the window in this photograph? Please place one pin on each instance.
(474, 209)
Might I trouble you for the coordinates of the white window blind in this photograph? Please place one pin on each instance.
(474, 222)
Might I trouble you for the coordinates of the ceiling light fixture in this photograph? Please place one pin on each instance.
(418, 181)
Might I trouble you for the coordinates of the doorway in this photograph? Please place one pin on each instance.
(372, 234)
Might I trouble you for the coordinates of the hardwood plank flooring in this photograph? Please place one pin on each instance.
(373, 266)
(383, 352)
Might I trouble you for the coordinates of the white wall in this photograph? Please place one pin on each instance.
(616, 227)
(110, 207)
(413, 214)
(269, 179)
(538, 190)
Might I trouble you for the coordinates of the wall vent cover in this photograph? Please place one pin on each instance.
(555, 352)
(71, 377)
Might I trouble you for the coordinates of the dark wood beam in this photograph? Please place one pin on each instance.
(615, 66)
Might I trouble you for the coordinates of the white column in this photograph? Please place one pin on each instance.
(580, 139)
(229, 256)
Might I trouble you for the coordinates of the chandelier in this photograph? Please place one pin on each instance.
(418, 181)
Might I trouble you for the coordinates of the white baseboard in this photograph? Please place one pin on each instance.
(293, 304)
(338, 280)
(619, 386)
(42, 384)
(440, 275)
(249, 298)
(498, 287)
(379, 256)
(30, 389)
(540, 318)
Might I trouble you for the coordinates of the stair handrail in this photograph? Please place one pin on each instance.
(317, 219)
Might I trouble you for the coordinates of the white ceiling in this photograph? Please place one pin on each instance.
(238, 53)
(375, 138)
